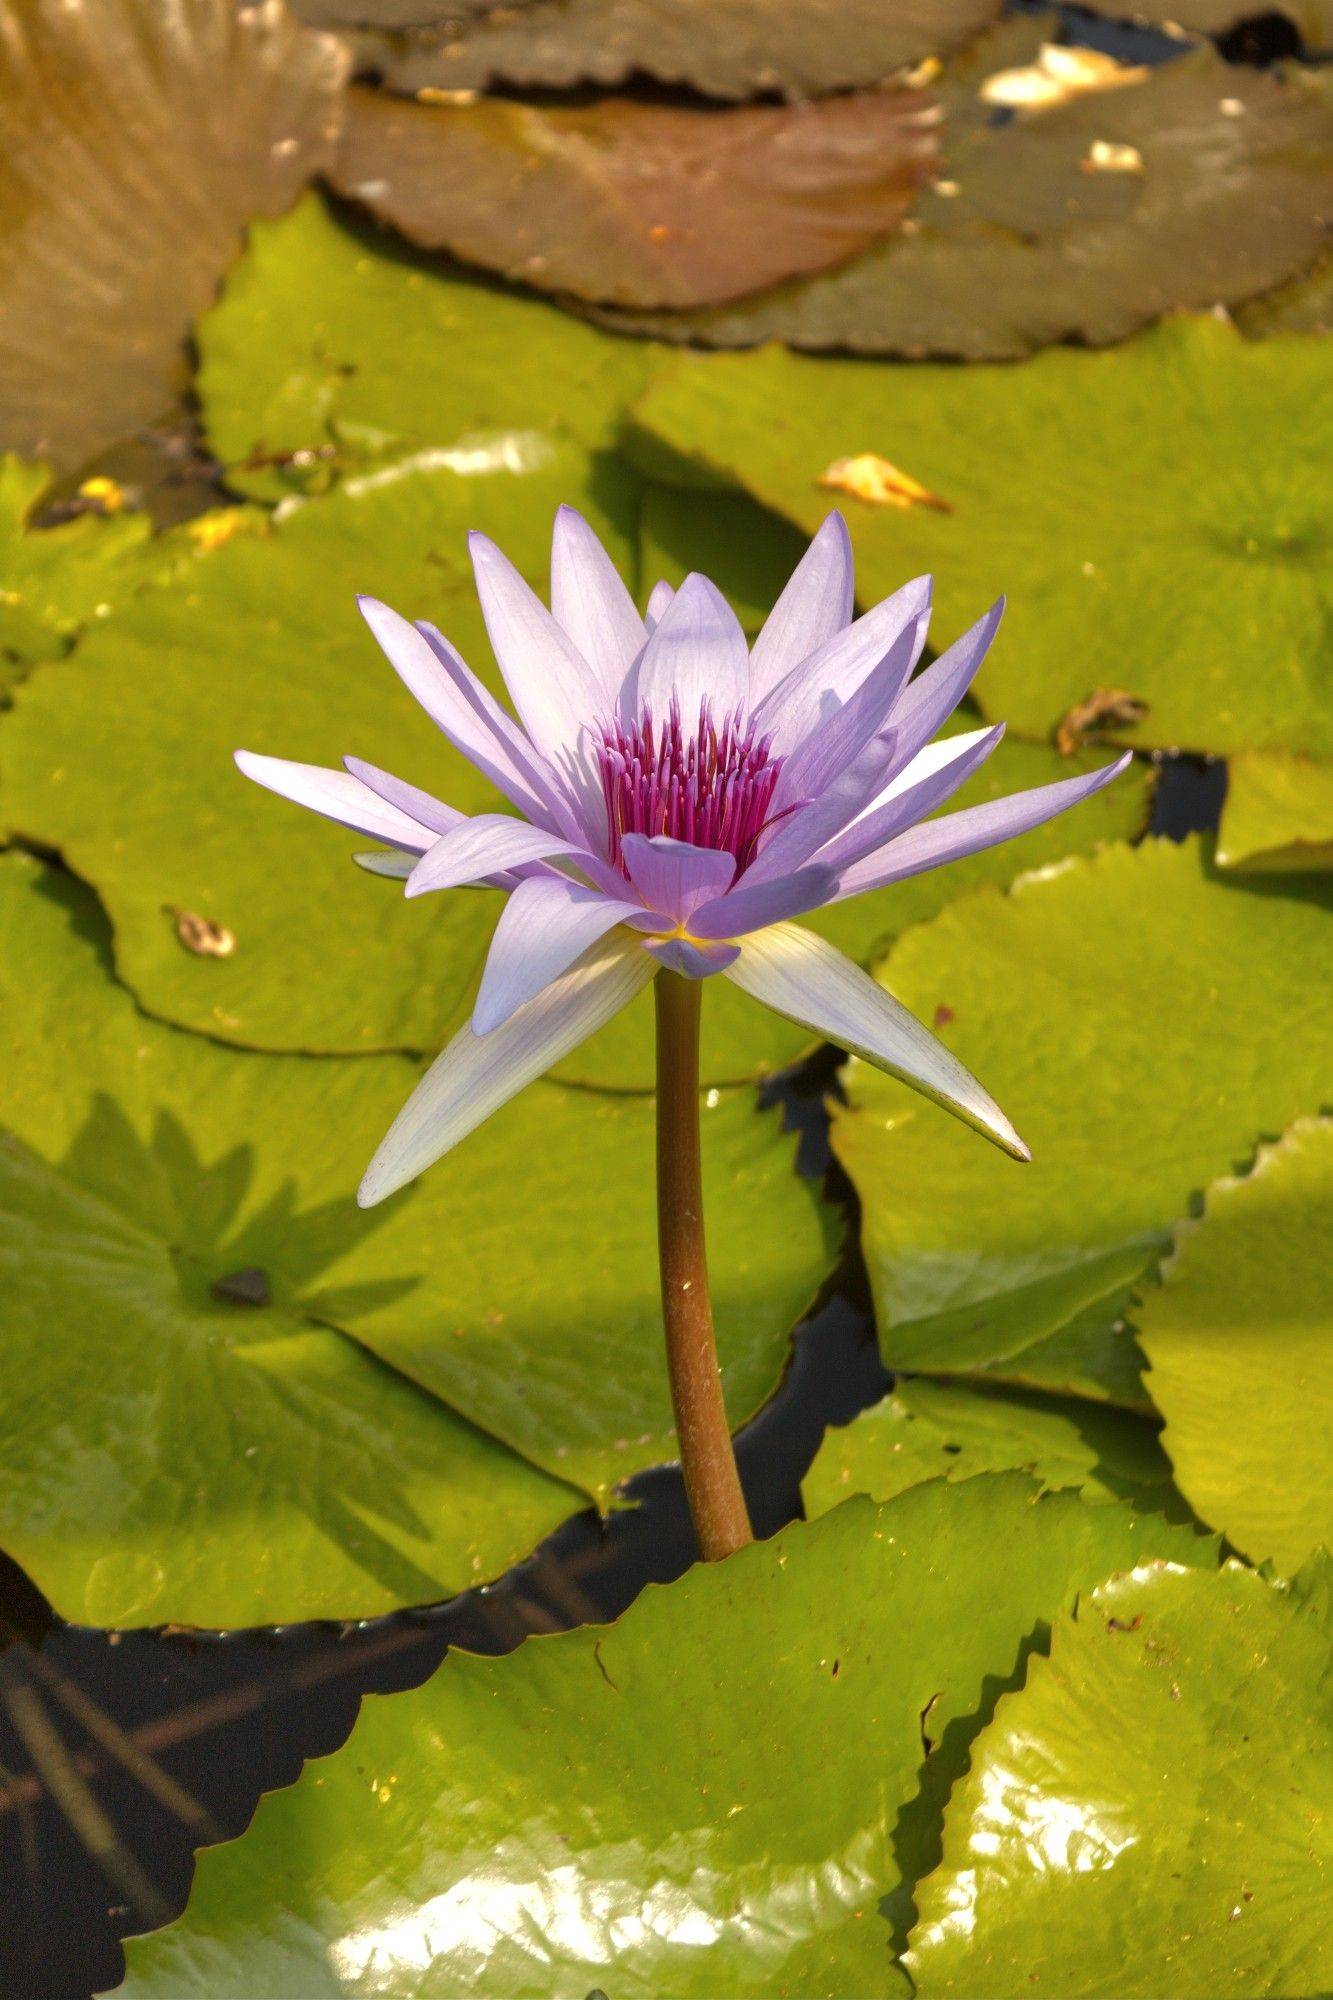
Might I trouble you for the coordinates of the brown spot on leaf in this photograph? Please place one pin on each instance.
(867, 476)
(244, 1288)
(1113, 706)
(943, 1016)
(202, 935)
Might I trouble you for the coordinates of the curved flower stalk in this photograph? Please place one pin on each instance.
(679, 799)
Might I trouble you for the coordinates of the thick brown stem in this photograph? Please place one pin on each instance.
(712, 1484)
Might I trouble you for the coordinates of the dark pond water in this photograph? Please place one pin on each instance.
(120, 1753)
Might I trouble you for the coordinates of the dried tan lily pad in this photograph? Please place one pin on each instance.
(724, 48)
(1021, 245)
(1312, 19)
(135, 141)
(644, 204)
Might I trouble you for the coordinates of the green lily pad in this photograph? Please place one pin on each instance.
(121, 756)
(1208, 599)
(106, 263)
(748, 552)
(335, 344)
(1278, 813)
(741, 1039)
(1046, 228)
(1238, 1340)
(723, 48)
(1150, 1813)
(941, 1430)
(169, 1453)
(641, 204)
(547, 1336)
(698, 1800)
(1122, 1010)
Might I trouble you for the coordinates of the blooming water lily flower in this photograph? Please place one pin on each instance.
(680, 799)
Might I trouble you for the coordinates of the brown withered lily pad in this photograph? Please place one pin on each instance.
(1197, 184)
(729, 49)
(644, 204)
(1312, 19)
(136, 141)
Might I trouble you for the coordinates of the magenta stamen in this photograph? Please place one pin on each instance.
(712, 788)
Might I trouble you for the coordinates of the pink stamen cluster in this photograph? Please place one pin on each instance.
(711, 786)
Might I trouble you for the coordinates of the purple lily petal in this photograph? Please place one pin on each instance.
(477, 1074)
(834, 744)
(589, 600)
(674, 878)
(920, 788)
(484, 845)
(816, 689)
(434, 675)
(418, 805)
(972, 830)
(696, 653)
(806, 828)
(691, 960)
(815, 605)
(757, 904)
(547, 923)
(337, 795)
(934, 695)
(555, 690)
(809, 980)
(659, 597)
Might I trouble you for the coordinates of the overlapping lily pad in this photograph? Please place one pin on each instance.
(1086, 1000)
(1278, 813)
(1075, 486)
(1152, 1807)
(1238, 1342)
(333, 345)
(518, 1280)
(1200, 183)
(640, 204)
(942, 1430)
(724, 48)
(138, 143)
(1312, 19)
(121, 757)
(740, 1038)
(699, 1800)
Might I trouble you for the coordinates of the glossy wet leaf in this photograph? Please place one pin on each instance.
(1209, 599)
(121, 757)
(169, 1454)
(1278, 813)
(943, 1430)
(1200, 183)
(1154, 1801)
(1238, 1340)
(548, 1336)
(138, 142)
(723, 48)
(333, 345)
(640, 204)
(698, 1800)
(740, 1038)
(1122, 1009)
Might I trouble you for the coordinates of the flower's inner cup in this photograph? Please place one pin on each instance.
(711, 785)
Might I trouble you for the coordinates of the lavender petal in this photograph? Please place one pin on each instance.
(697, 652)
(934, 695)
(757, 904)
(590, 601)
(547, 923)
(555, 690)
(815, 605)
(484, 845)
(816, 689)
(691, 960)
(920, 788)
(674, 878)
(659, 597)
(338, 796)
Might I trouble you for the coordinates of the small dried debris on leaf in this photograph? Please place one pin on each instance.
(1103, 707)
(202, 936)
(1105, 156)
(873, 479)
(1057, 75)
(244, 1288)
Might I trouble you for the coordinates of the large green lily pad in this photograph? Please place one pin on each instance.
(334, 343)
(106, 262)
(741, 1039)
(547, 1335)
(1027, 239)
(1238, 1341)
(1150, 1814)
(943, 1430)
(698, 1800)
(1278, 813)
(170, 1454)
(641, 204)
(1207, 598)
(724, 48)
(121, 756)
(1122, 1010)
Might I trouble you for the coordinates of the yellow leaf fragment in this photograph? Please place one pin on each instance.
(202, 936)
(210, 531)
(1058, 75)
(107, 495)
(1106, 156)
(868, 477)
